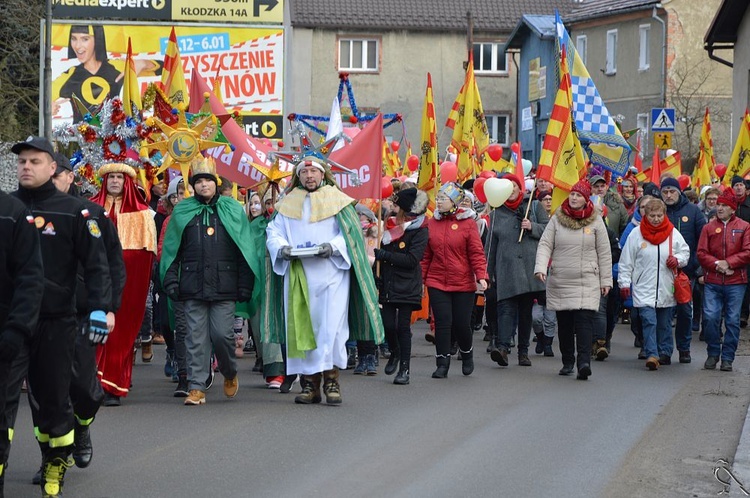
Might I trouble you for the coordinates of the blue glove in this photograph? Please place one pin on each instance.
(98, 330)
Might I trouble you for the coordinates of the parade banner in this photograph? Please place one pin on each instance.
(88, 61)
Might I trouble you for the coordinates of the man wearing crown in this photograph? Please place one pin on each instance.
(315, 243)
(208, 263)
(136, 229)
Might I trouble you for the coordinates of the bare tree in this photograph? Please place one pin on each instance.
(689, 94)
(19, 68)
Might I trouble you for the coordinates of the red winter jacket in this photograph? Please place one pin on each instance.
(454, 259)
(730, 242)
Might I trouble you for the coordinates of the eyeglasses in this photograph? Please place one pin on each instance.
(712, 199)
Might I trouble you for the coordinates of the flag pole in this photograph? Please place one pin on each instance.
(528, 207)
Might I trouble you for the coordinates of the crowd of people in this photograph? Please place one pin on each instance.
(321, 283)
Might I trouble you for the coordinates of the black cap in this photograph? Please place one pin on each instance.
(63, 164)
(737, 179)
(38, 143)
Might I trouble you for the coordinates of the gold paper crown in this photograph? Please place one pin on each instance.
(117, 168)
(204, 166)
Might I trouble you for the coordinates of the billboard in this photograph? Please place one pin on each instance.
(246, 64)
(245, 11)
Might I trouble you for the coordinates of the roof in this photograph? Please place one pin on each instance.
(542, 26)
(723, 29)
(594, 9)
(424, 15)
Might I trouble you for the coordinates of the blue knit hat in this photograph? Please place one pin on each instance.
(670, 182)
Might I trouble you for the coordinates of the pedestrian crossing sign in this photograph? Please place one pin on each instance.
(662, 119)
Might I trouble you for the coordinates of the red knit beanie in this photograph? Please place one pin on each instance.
(729, 199)
(583, 187)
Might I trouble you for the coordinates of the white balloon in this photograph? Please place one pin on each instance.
(452, 158)
(497, 191)
(671, 152)
(526, 164)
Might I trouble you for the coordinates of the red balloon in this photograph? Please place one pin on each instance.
(386, 187)
(448, 172)
(720, 170)
(395, 145)
(495, 151)
(412, 163)
(684, 181)
(516, 147)
(280, 144)
(487, 174)
(479, 189)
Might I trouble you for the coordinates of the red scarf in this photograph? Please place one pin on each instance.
(656, 234)
(577, 214)
(513, 205)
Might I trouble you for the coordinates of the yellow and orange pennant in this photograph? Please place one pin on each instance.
(428, 162)
(131, 92)
(562, 161)
(172, 76)
(672, 164)
(466, 119)
(704, 170)
(739, 163)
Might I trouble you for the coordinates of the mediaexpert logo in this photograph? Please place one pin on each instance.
(116, 4)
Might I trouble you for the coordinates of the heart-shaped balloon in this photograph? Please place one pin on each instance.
(497, 191)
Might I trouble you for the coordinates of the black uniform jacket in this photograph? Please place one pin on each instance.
(68, 236)
(21, 271)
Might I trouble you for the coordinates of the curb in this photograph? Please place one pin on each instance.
(741, 465)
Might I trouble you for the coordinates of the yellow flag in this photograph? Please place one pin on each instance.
(131, 92)
(172, 76)
(704, 170)
(739, 164)
(428, 163)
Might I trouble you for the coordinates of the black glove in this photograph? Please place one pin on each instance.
(378, 283)
(244, 295)
(285, 253)
(10, 345)
(380, 254)
(325, 250)
(172, 292)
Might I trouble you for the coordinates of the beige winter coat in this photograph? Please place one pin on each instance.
(581, 261)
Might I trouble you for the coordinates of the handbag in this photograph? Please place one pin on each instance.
(683, 290)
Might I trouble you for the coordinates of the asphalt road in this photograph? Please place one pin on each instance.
(514, 431)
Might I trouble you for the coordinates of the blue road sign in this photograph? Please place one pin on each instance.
(662, 119)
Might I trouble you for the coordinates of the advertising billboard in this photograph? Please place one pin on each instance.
(245, 63)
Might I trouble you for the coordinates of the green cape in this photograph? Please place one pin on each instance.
(365, 322)
(235, 221)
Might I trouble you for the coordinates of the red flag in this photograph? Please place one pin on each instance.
(655, 169)
(365, 156)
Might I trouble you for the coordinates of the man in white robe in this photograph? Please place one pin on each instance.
(306, 220)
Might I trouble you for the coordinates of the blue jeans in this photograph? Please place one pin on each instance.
(683, 331)
(726, 299)
(657, 331)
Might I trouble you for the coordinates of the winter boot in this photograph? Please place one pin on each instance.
(393, 361)
(467, 361)
(331, 387)
(83, 451)
(402, 377)
(310, 390)
(548, 346)
(539, 343)
(600, 350)
(443, 365)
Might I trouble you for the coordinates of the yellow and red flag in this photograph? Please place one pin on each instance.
(672, 164)
(131, 92)
(172, 77)
(704, 170)
(428, 163)
(466, 119)
(562, 161)
(739, 163)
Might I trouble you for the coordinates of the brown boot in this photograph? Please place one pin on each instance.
(147, 353)
(331, 386)
(600, 349)
(310, 390)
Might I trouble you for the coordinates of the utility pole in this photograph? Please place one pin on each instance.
(469, 37)
(47, 101)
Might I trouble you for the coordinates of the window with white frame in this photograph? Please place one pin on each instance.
(489, 58)
(611, 52)
(582, 47)
(358, 54)
(644, 53)
(498, 126)
(641, 121)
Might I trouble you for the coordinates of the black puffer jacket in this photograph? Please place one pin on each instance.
(400, 271)
(209, 266)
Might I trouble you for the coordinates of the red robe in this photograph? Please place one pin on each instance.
(137, 232)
